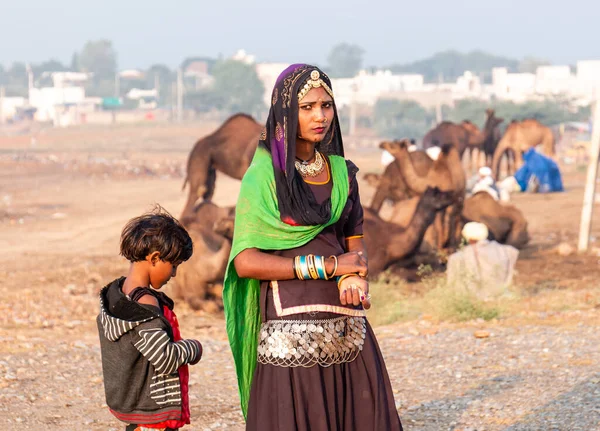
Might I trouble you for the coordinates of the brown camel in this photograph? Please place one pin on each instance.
(466, 135)
(448, 132)
(505, 222)
(518, 138)
(388, 242)
(486, 140)
(229, 150)
(447, 174)
(199, 281)
(492, 135)
(390, 185)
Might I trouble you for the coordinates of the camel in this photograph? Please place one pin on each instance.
(199, 281)
(466, 135)
(518, 138)
(390, 185)
(486, 140)
(505, 222)
(229, 150)
(448, 132)
(388, 242)
(447, 174)
(492, 135)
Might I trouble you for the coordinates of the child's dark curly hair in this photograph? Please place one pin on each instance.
(159, 231)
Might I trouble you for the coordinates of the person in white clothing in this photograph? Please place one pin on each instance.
(483, 267)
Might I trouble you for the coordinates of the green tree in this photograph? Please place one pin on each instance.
(100, 58)
(17, 80)
(345, 60)
(401, 118)
(51, 65)
(530, 64)
(451, 64)
(3, 75)
(238, 84)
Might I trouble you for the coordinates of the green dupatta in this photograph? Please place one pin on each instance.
(258, 225)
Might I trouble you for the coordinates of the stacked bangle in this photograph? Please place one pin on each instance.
(342, 277)
(311, 267)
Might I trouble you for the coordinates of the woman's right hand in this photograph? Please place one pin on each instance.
(352, 262)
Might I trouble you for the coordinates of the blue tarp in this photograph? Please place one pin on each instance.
(541, 170)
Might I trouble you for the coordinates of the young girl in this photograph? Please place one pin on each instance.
(144, 359)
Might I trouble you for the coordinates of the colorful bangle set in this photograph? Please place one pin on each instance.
(311, 267)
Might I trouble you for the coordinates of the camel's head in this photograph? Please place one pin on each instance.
(372, 179)
(446, 149)
(437, 199)
(224, 226)
(489, 112)
(396, 146)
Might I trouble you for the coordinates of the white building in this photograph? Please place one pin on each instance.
(588, 79)
(517, 87)
(365, 88)
(554, 80)
(268, 73)
(59, 104)
(9, 106)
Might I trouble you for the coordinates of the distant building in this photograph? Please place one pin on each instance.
(10, 106)
(268, 73)
(62, 103)
(516, 87)
(554, 80)
(588, 78)
(365, 88)
(197, 71)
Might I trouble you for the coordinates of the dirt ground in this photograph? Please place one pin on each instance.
(64, 197)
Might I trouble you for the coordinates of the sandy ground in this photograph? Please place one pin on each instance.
(64, 199)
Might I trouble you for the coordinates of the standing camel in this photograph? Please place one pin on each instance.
(519, 137)
(485, 140)
(229, 150)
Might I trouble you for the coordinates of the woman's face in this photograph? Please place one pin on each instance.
(315, 114)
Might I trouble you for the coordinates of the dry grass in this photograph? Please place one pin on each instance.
(396, 300)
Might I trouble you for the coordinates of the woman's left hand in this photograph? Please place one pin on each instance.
(355, 290)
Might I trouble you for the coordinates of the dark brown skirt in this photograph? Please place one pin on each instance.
(353, 396)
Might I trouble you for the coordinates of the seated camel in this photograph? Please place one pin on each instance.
(447, 174)
(388, 243)
(228, 150)
(505, 222)
(199, 281)
(390, 185)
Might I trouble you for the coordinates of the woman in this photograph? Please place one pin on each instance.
(295, 289)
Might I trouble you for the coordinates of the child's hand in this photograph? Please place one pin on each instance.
(355, 290)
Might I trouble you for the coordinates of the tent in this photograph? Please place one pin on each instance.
(539, 173)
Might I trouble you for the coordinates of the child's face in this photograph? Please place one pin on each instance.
(161, 272)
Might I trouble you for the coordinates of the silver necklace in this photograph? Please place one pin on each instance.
(311, 169)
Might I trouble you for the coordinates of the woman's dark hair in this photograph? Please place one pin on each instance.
(159, 231)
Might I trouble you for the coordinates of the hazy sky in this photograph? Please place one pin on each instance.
(391, 31)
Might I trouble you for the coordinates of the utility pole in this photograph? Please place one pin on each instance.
(117, 92)
(156, 87)
(590, 184)
(1, 104)
(352, 126)
(179, 95)
(438, 105)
